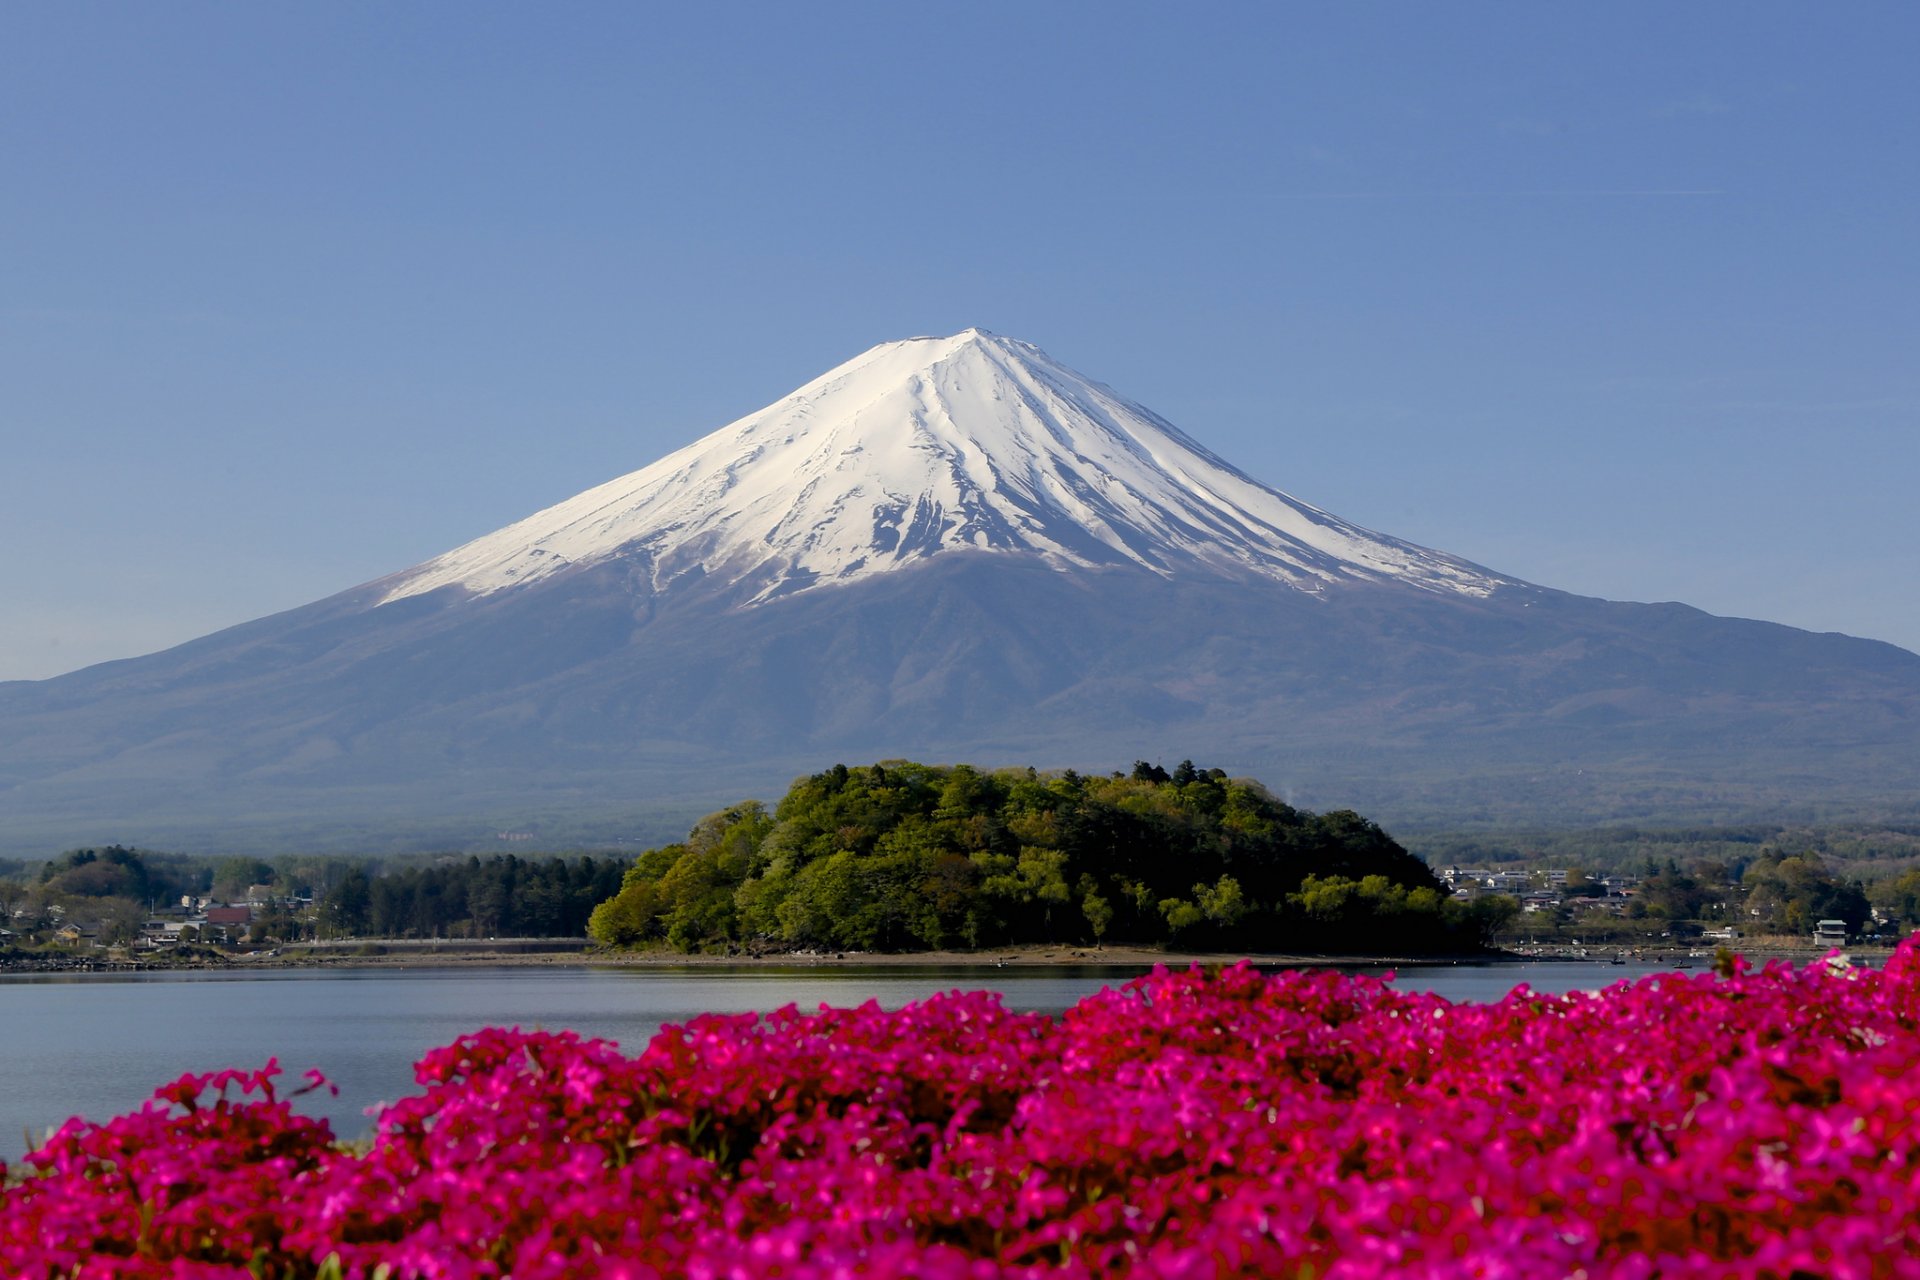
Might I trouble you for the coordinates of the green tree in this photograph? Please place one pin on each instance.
(1475, 923)
(1222, 903)
(1182, 917)
(348, 905)
(825, 904)
(233, 876)
(1098, 911)
(633, 915)
(1898, 897)
(13, 897)
(1795, 892)
(111, 872)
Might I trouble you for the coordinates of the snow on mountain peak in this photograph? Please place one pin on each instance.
(971, 442)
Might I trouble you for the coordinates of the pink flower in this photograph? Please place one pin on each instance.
(1202, 1124)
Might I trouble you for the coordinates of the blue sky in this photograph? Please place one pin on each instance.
(1620, 298)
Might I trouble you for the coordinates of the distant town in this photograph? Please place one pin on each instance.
(1671, 908)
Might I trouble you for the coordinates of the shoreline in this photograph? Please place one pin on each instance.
(424, 954)
(418, 955)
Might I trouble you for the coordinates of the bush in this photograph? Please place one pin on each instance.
(1197, 1124)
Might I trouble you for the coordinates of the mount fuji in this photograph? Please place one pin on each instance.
(947, 548)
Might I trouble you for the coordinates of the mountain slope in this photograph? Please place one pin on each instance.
(951, 549)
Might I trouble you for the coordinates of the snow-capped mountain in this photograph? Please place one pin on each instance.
(973, 442)
(948, 549)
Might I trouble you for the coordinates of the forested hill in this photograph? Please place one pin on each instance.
(900, 856)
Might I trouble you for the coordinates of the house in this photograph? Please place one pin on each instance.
(231, 924)
(1830, 933)
(161, 933)
(76, 934)
(1468, 883)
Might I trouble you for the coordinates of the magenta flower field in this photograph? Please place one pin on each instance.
(1196, 1124)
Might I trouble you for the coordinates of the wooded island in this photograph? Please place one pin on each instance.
(899, 856)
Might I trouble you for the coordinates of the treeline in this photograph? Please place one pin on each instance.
(497, 897)
(114, 889)
(1771, 893)
(1866, 852)
(900, 856)
(117, 871)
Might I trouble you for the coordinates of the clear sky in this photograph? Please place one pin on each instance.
(1617, 298)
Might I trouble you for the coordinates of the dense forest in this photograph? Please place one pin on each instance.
(497, 897)
(900, 856)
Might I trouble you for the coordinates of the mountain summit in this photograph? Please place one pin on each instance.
(919, 448)
(951, 549)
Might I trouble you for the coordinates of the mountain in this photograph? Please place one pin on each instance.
(948, 548)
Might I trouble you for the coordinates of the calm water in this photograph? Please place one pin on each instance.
(98, 1044)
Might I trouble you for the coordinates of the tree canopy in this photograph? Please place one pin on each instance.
(900, 856)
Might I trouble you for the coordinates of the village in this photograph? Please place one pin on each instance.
(254, 924)
(1567, 911)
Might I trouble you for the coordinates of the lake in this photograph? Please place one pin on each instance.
(98, 1044)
